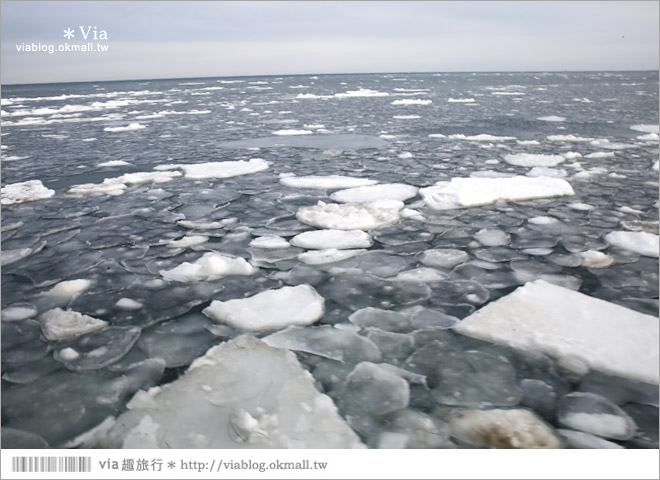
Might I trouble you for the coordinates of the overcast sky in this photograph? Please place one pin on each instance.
(198, 39)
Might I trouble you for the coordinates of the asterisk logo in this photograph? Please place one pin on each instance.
(171, 464)
(68, 34)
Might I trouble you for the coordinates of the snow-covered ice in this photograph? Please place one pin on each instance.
(18, 311)
(351, 216)
(292, 132)
(329, 255)
(646, 128)
(393, 191)
(270, 309)
(270, 242)
(29, 191)
(643, 243)
(338, 239)
(327, 182)
(113, 163)
(240, 394)
(563, 323)
(412, 101)
(211, 266)
(552, 118)
(472, 192)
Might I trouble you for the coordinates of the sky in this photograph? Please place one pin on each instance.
(184, 39)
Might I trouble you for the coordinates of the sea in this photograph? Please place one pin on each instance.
(130, 179)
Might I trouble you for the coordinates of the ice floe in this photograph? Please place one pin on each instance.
(394, 191)
(211, 266)
(471, 192)
(351, 216)
(646, 128)
(547, 172)
(563, 323)
(18, 311)
(412, 101)
(460, 100)
(328, 255)
(595, 414)
(240, 394)
(552, 118)
(270, 242)
(127, 128)
(224, 169)
(444, 258)
(533, 160)
(58, 324)
(482, 137)
(362, 92)
(118, 185)
(338, 239)
(292, 132)
(187, 241)
(270, 309)
(328, 182)
(643, 243)
(113, 163)
(29, 191)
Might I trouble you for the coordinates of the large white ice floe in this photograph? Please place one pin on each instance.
(29, 191)
(58, 324)
(224, 169)
(471, 192)
(646, 128)
(211, 266)
(339, 239)
(351, 216)
(323, 182)
(552, 118)
(271, 309)
(643, 243)
(517, 428)
(292, 132)
(566, 324)
(412, 101)
(393, 191)
(240, 394)
(533, 160)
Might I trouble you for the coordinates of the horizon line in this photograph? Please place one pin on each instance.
(318, 74)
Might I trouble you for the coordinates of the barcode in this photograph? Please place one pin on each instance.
(51, 464)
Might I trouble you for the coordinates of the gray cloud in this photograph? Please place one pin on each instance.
(187, 39)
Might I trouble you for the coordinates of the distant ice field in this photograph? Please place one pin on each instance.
(362, 234)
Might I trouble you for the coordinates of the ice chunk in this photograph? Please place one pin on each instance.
(492, 237)
(600, 155)
(412, 101)
(395, 347)
(393, 191)
(419, 430)
(561, 323)
(444, 258)
(337, 239)
(325, 182)
(29, 191)
(482, 137)
(594, 414)
(362, 92)
(293, 132)
(127, 128)
(472, 192)
(224, 169)
(643, 243)
(421, 275)
(18, 311)
(329, 255)
(516, 428)
(128, 304)
(475, 379)
(646, 128)
(585, 440)
(113, 163)
(547, 172)
(460, 100)
(533, 160)
(271, 309)
(326, 341)
(568, 138)
(215, 396)
(98, 349)
(270, 242)
(387, 320)
(595, 259)
(7, 257)
(375, 390)
(187, 241)
(58, 324)
(552, 118)
(211, 266)
(352, 216)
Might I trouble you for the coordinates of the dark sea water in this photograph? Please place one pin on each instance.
(60, 134)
